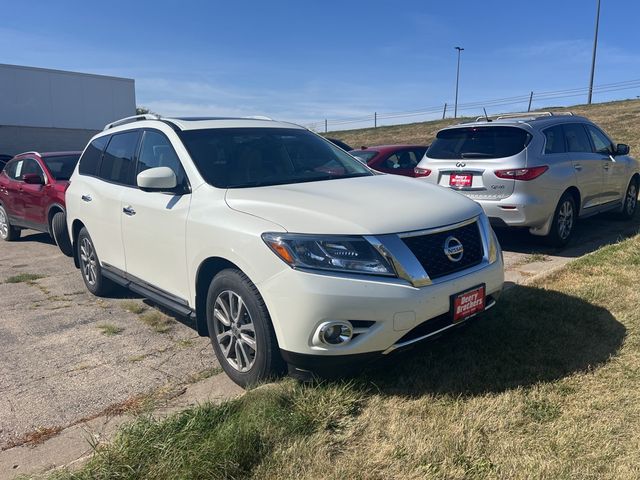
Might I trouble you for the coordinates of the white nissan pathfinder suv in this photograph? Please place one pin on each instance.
(280, 246)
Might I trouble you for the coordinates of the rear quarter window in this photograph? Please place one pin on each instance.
(90, 160)
(479, 142)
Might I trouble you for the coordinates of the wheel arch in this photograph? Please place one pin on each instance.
(76, 226)
(577, 198)
(208, 269)
(53, 209)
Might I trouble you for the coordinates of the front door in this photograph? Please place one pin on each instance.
(154, 224)
(589, 166)
(614, 170)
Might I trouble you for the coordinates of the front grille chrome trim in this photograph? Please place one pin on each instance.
(431, 231)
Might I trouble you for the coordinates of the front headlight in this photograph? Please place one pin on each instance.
(349, 254)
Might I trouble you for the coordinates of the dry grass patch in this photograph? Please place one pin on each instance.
(109, 330)
(160, 322)
(24, 278)
(133, 306)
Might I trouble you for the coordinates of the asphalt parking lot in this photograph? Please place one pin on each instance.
(66, 356)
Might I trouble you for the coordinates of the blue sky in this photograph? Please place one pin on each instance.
(305, 61)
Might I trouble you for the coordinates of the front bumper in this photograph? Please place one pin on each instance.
(300, 301)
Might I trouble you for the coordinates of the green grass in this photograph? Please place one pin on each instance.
(109, 329)
(545, 386)
(24, 278)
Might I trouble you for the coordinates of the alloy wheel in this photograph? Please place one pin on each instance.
(88, 261)
(632, 198)
(565, 220)
(4, 224)
(234, 331)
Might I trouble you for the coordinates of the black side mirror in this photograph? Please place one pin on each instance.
(622, 149)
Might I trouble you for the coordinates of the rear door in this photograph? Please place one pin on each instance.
(105, 178)
(589, 166)
(154, 223)
(10, 189)
(466, 158)
(33, 198)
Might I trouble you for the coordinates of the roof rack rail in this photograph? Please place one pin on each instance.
(30, 152)
(258, 117)
(503, 116)
(134, 118)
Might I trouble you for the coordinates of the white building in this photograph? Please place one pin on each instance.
(49, 110)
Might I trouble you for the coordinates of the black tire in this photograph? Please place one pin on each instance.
(630, 200)
(90, 266)
(60, 233)
(7, 232)
(564, 221)
(245, 365)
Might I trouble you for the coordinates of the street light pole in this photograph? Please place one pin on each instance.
(593, 58)
(455, 109)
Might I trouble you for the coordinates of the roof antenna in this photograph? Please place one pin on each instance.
(485, 114)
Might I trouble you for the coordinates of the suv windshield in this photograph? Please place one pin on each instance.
(478, 142)
(61, 166)
(253, 157)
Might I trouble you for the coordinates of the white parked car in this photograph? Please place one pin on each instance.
(283, 248)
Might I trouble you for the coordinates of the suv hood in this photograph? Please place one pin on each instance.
(373, 205)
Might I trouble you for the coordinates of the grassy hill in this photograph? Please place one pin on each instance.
(621, 120)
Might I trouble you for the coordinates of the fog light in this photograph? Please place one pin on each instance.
(335, 333)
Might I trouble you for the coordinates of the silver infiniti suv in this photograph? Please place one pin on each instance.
(538, 170)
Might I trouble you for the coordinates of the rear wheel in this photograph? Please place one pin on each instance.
(90, 266)
(61, 234)
(7, 232)
(630, 200)
(240, 330)
(564, 220)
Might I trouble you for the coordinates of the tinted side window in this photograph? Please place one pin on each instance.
(11, 168)
(90, 160)
(157, 151)
(401, 160)
(31, 166)
(555, 140)
(600, 141)
(577, 140)
(118, 160)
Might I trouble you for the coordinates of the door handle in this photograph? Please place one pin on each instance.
(577, 166)
(128, 210)
(606, 166)
(86, 198)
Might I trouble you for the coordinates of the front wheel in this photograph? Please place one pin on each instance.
(90, 266)
(564, 220)
(240, 330)
(630, 200)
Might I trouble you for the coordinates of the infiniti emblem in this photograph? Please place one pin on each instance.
(461, 164)
(453, 249)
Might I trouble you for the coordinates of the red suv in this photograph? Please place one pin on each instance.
(396, 159)
(32, 187)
